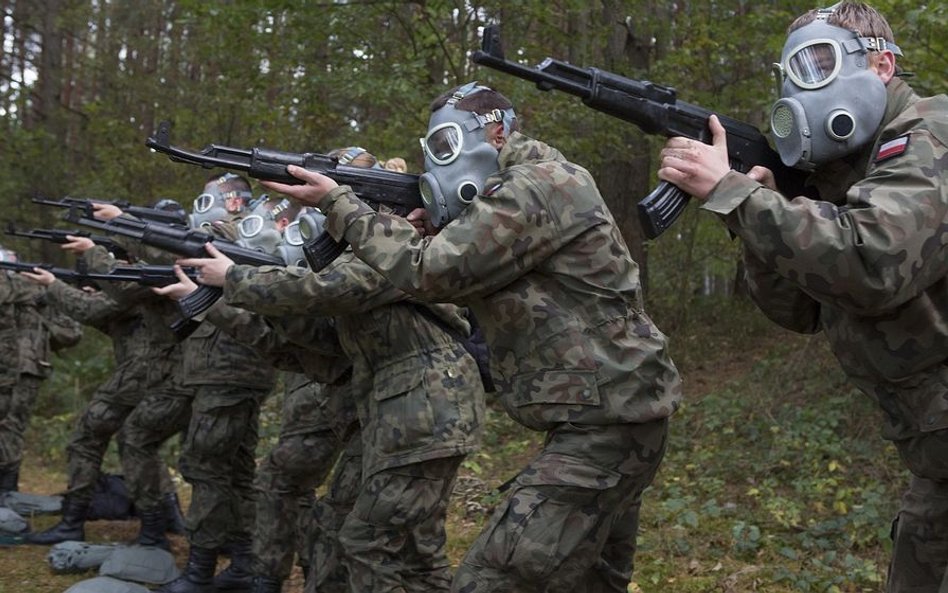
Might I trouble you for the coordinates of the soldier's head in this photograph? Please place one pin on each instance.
(224, 196)
(234, 189)
(396, 164)
(171, 206)
(468, 126)
(831, 79)
(355, 156)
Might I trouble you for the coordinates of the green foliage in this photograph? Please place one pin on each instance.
(774, 476)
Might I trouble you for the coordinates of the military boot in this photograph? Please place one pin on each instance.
(238, 575)
(70, 528)
(154, 525)
(174, 519)
(198, 575)
(262, 584)
(10, 478)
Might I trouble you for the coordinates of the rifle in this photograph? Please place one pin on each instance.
(655, 109)
(374, 186)
(145, 275)
(142, 212)
(61, 237)
(181, 241)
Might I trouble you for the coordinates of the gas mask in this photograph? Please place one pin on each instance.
(458, 157)
(259, 230)
(210, 206)
(831, 102)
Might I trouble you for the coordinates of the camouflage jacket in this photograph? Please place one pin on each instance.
(159, 342)
(24, 345)
(540, 261)
(417, 391)
(867, 265)
(298, 344)
(120, 322)
(316, 395)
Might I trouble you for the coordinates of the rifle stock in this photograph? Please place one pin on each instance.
(654, 109)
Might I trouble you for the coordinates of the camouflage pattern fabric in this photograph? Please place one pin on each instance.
(418, 394)
(570, 520)
(542, 265)
(868, 266)
(16, 407)
(25, 352)
(393, 505)
(164, 412)
(327, 569)
(114, 400)
(217, 459)
(300, 461)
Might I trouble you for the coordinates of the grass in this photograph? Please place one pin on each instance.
(775, 480)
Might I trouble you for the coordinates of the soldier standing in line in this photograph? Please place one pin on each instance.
(528, 244)
(111, 404)
(29, 333)
(420, 403)
(866, 263)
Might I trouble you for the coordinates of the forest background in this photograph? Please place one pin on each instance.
(775, 480)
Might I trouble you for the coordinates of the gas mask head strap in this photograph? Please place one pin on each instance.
(864, 44)
(505, 117)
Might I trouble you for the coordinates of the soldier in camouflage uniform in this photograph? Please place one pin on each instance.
(161, 413)
(318, 419)
(27, 329)
(539, 259)
(419, 399)
(111, 404)
(865, 264)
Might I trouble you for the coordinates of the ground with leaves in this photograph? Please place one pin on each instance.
(775, 479)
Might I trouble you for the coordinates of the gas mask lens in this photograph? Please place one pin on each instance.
(203, 203)
(311, 225)
(814, 64)
(293, 234)
(443, 143)
(250, 226)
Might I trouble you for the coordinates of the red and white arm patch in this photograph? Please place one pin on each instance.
(892, 148)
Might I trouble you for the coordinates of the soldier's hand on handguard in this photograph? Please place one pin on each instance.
(182, 288)
(692, 165)
(40, 276)
(316, 186)
(211, 270)
(106, 211)
(78, 245)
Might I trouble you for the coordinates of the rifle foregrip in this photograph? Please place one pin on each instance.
(322, 251)
(660, 209)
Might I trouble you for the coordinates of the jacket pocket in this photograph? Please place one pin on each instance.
(401, 411)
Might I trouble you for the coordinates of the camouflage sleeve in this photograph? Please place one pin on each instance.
(99, 260)
(886, 246)
(346, 286)
(495, 240)
(94, 309)
(779, 299)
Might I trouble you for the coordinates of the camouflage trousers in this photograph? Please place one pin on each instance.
(218, 460)
(570, 520)
(161, 414)
(920, 532)
(16, 405)
(328, 573)
(394, 538)
(102, 419)
(285, 482)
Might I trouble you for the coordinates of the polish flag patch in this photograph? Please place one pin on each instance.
(892, 148)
